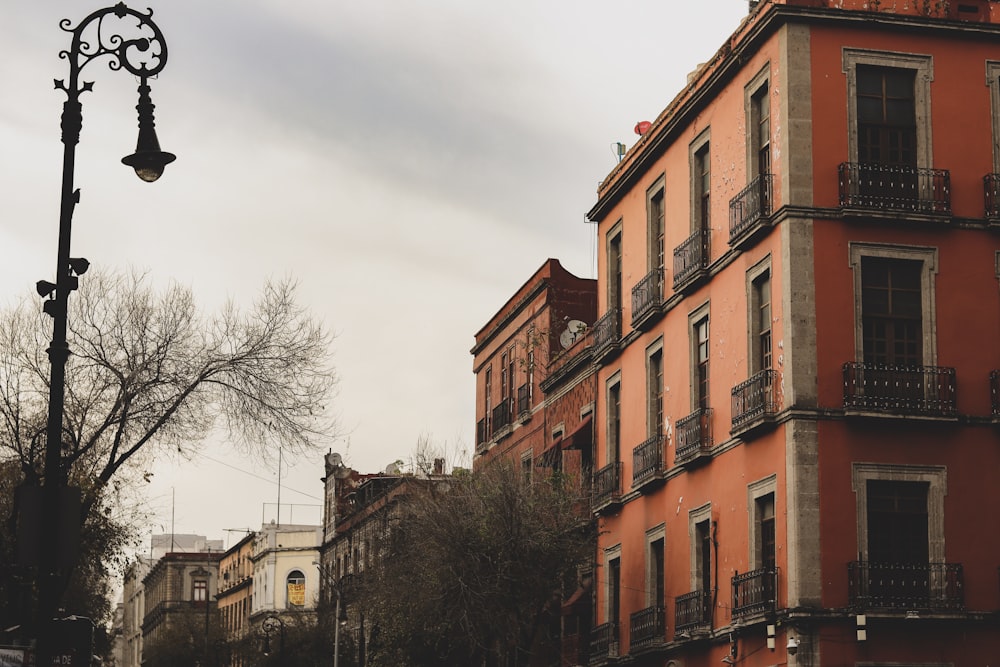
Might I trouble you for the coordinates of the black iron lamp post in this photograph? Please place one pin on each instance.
(269, 626)
(141, 51)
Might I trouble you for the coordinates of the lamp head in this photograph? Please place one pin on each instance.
(148, 160)
(793, 646)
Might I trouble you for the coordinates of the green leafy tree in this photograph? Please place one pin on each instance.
(150, 375)
(473, 571)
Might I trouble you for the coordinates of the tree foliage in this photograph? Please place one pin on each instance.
(473, 572)
(150, 374)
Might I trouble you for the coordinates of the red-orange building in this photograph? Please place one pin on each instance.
(798, 287)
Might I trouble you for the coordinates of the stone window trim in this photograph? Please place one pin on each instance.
(657, 188)
(610, 554)
(937, 479)
(700, 142)
(754, 273)
(614, 381)
(656, 347)
(993, 83)
(750, 92)
(614, 236)
(695, 517)
(924, 66)
(755, 491)
(929, 257)
(700, 313)
(652, 535)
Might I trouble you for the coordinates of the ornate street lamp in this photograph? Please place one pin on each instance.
(143, 53)
(270, 625)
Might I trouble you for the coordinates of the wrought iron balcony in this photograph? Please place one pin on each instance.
(692, 611)
(756, 401)
(607, 486)
(995, 393)
(647, 297)
(647, 461)
(603, 643)
(991, 192)
(754, 592)
(607, 331)
(895, 188)
(691, 258)
(694, 436)
(906, 390)
(647, 628)
(750, 208)
(906, 586)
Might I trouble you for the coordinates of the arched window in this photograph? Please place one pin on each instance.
(295, 586)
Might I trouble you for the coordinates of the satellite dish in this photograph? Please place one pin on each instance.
(392, 468)
(574, 329)
(642, 127)
(334, 459)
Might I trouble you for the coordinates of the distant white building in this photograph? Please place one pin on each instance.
(285, 571)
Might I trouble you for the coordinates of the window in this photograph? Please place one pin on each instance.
(488, 394)
(760, 318)
(614, 421)
(615, 269)
(699, 358)
(886, 116)
(526, 467)
(703, 555)
(654, 416)
(890, 311)
(894, 304)
(993, 82)
(505, 378)
(889, 117)
(701, 176)
(614, 590)
(200, 591)
(760, 497)
(655, 213)
(900, 512)
(758, 113)
(655, 595)
(295, 585)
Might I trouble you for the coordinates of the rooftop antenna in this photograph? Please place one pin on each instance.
(278, 519)
(618, 148)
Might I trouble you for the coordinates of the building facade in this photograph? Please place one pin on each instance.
(236, 590)
(798, 286)
(180, 588)
(285, 561)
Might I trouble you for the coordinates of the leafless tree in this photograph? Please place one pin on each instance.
(473, 570)
(149, 373)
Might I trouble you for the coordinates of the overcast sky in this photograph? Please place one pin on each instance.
(410, 163)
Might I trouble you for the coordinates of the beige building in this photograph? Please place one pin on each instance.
(236, 589)
(178, 584)
(285, 570)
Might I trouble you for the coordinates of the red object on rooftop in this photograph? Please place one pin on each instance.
(642, 127)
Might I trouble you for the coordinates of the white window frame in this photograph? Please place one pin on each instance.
(750, 93)
(754, 363)
(651, 351)
(696, 516)
(700, 313)
(756, 491)
(694, 148)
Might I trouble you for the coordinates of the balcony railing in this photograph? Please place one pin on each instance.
(991, 192)
(995, 392)
(691, 257)
(607, 485)
(895, 187)
(906, 586)
(912, 390)
(692, 610)
(647, 460)
(750, 207)
(607, 330)
(603, 643)
(647, 295)
(756, 399)
(694, 436)
(523, 399)
(647, 627)
(754, 592)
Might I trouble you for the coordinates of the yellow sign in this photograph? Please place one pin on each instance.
(296, 595)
